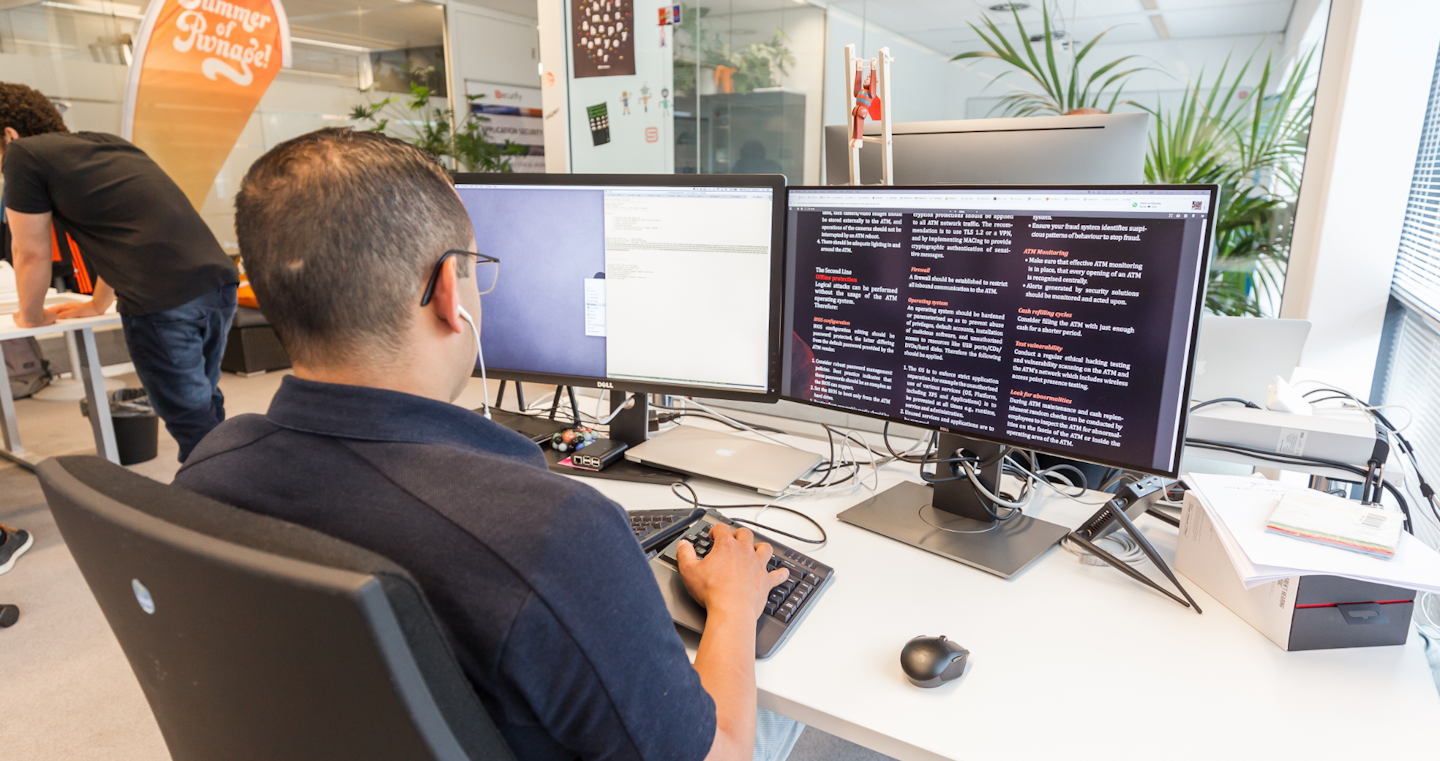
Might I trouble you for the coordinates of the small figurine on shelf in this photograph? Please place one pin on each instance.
(867, 105)
(573, 439)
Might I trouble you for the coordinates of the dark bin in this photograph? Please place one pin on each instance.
(137, 428)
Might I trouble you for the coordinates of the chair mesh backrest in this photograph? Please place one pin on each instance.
(256, 638)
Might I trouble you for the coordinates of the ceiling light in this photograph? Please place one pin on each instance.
(1006, 7)
(1058, 34)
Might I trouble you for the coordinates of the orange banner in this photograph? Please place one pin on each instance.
(200, 68)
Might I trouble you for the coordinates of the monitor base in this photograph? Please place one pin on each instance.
(905, 513)
(536, 428)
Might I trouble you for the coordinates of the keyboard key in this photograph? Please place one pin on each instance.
(803, 590)
(785, 612)
(812, 579)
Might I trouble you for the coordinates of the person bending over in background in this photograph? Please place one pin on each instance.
(148, 245)
(551, 606)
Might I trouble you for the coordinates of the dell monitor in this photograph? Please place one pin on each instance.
(1049, 150)
(646, 283)
(1052, 318)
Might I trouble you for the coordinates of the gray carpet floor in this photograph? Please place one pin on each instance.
(66, 690)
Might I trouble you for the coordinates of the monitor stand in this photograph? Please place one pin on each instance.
(536, 428)
(949, 519)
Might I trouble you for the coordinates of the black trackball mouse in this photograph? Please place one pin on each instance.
(932, 661)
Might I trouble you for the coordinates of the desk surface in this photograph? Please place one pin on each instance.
(1067, 660)
(9, 330)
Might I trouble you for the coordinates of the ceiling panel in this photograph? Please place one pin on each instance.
(943, 24)
(382, 26)
(1260, 18)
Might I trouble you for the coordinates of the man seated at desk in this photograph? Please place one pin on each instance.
(550, 606)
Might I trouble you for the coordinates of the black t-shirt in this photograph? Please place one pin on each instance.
(131, 221)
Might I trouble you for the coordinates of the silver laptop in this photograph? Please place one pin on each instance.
(1238, 356)
(760, 465)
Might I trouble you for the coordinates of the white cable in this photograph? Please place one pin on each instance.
(480, 355)
(1045, 480)
(687, 400)
(600, 399)
(874, 457)
(1121, 545)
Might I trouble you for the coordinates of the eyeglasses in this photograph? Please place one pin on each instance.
(487, 273)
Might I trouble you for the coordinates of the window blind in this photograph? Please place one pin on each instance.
(1417, 268)
(1412, 380)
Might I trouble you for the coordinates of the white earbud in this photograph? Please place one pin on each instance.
(480, 354)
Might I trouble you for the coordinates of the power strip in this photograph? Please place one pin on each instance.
(1347, 436)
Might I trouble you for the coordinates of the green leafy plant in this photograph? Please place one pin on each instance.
(1252, 146)
(1060, 93)
(760, 64)
(412, 117)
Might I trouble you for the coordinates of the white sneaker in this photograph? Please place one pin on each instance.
(15, 543)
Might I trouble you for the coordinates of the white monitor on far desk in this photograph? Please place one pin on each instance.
(1104, 149)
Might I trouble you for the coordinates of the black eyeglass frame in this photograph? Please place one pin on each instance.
(435, 275)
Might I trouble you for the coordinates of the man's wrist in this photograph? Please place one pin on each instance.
(722, 612)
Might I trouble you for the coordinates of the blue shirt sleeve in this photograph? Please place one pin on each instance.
(594, 650)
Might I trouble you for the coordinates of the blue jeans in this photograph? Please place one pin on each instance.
(177, 356)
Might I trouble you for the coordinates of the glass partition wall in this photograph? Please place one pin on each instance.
(749, 81)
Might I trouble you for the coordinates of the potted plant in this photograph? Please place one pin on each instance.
(465, 148)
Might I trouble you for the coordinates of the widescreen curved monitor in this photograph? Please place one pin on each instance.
(647, 283)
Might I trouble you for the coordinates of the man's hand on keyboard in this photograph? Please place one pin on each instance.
(732, 575)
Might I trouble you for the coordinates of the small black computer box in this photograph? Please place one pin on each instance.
(599, 454)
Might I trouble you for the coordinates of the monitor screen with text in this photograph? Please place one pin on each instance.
(632, 285)
(1058, 319)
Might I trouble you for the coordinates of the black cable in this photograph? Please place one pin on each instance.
(829, 434)
(689, 411)
(1426, 491)
(673, 416)
(885, 434)
(1285, 459)
(695, 500)
(1224, 399)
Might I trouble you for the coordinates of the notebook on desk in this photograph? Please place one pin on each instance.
(760, 465)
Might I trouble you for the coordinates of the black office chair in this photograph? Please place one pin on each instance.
(254, 638)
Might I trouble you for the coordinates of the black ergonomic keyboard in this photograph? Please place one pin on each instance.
(788, 605)
(647, 522)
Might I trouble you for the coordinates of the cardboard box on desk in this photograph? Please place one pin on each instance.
(1299, 613)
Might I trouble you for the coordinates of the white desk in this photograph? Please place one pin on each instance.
(89, 373)
(1068, 661)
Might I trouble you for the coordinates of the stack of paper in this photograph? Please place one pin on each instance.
(1314, 516)
(1240, 508)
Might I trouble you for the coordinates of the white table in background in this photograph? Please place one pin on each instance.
(88, 371)
(1068, 661)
